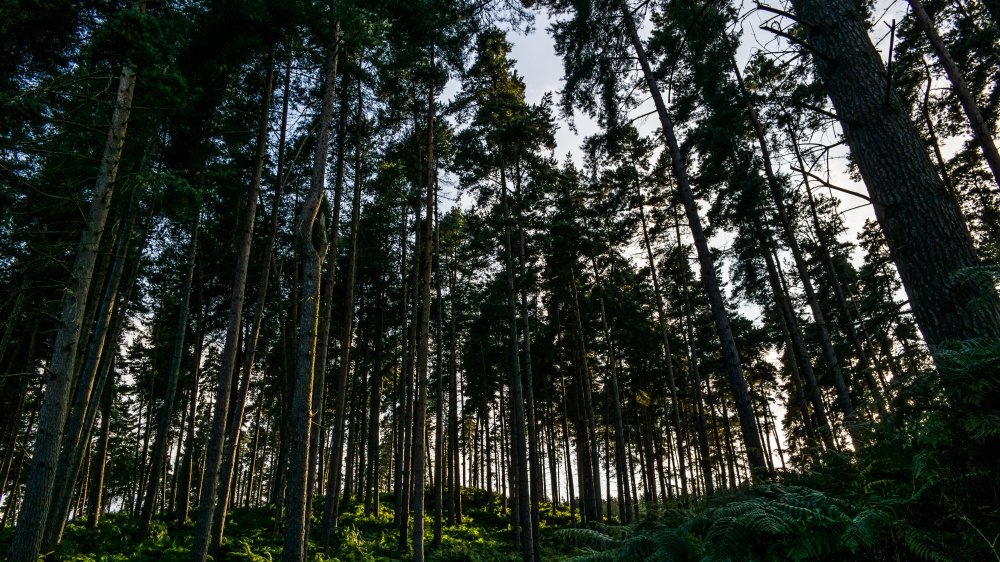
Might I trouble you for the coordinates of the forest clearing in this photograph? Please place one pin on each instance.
(499, 280)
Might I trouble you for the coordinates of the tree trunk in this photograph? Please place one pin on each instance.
(423, 341)
(518, 445)
(311, 249)
(220, 412)
(88, 380)
(97, 480)
(981, 131)
(27, 539)
(840, 383)
(236, 417)
(166, 411)
(439, 473)
(720, 315)
(621, 465)
(332, 500)
(665, 341)
(922, 221)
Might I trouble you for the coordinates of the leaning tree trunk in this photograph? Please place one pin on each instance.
(97, 480)
(310, 249)
(27, 539)
(787, 228)
(220, 412)
(922, 222)
(250, 347)
(981, 131)
(165, 414)
(88, 385)
(720, 315)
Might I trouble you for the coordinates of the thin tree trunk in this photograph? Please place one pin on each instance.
(27, 539)
(166, 411)
(705, 454)
(220, 413)
(331, 506)
(720, 315)
(665, 341)
(518, 445)
(840, 383)
(188, 470)
(423, 342)
(981, 131)
(439, 473)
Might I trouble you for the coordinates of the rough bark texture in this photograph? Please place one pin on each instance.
(310, 250)
(40, 480)
(921, 220)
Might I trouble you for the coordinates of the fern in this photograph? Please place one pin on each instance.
(587, 538)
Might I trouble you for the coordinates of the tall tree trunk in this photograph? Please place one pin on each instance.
(981, 131)
(320, 387)
(27, 539)
(840, 383)
(375, 407)
(454, 486)
(166, 411)
(250, 346)
(87, 394)
(703, 449)
(439, 473)
(791, 327)
(332, 500)
(922, 222)
(621, 465)
(518, 445)
(311, 249)
(423, 341)
(223, 397)
(665, 341)
(188, 470)
(823, 244)
(585, 382)
(97, 480)
(720, 315)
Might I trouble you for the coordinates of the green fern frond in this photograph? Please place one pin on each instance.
(587, 538)
(865, 529)
(926, 545)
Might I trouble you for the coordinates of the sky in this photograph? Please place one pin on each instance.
(542, 72)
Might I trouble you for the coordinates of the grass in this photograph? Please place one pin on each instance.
(483, 536)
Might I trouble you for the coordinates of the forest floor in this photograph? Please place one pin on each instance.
(484, 536)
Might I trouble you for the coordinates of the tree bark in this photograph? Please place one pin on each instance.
(220, 412)
(423, 341)
(331, 506)
(27, 539)
(250, 346)
(922, 222)
(661, 316)
(518, 445)
(310, 251)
